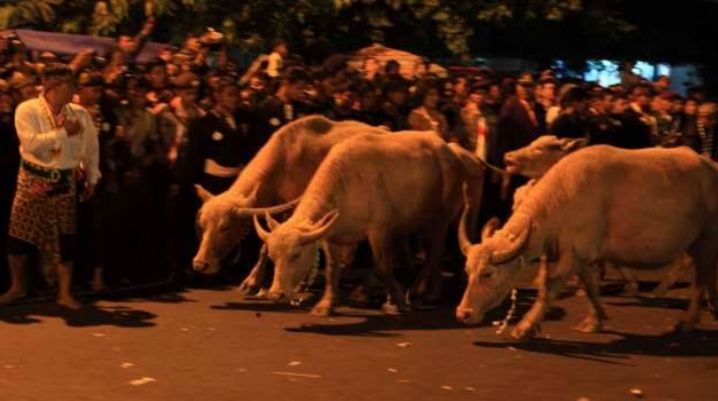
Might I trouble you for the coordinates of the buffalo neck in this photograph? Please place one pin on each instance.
(325, 191)
(266, 163)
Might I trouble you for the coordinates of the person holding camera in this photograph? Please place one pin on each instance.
(57, 139)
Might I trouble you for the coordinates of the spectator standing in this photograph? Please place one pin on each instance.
(9, 165)
(275, 60)
(571, 122)
(427, 116)
(55, 137)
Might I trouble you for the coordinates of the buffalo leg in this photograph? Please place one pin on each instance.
(705, 283)
(253, 281)
(384, 265)
(549, 289)
(428, 285)
(630, 282)
(334, 258)
(671, 274)
(596, 313)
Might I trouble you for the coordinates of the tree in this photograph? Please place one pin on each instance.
(540, 30)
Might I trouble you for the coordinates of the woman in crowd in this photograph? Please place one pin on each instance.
(427, 116)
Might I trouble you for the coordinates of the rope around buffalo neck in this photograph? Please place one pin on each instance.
(492, 167)
(503, 324)
(307, 284)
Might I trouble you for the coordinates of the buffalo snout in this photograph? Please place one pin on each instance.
(278, 297)
(467, 316)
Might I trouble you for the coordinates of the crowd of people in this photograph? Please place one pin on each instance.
(192, 116)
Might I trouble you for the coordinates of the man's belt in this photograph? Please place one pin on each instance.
(213, 168)
(53, 176)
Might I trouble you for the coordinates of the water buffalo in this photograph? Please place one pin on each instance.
(639, 208)
(272, 180)
(379, 188)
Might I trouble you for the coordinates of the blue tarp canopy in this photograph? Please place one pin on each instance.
(70, 44)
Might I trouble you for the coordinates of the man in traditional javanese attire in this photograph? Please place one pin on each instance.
(57, 140)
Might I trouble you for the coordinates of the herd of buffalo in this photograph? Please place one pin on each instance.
(342, 183)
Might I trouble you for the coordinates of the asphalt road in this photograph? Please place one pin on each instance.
(212, 345)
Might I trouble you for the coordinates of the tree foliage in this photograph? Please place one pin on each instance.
(535, 29)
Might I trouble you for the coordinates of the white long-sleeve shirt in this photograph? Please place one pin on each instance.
(46, 145)
(274, 64)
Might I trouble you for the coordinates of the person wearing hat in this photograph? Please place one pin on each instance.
(56, 137)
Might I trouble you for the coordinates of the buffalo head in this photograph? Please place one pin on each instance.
(222, 222)
(539, 156)
(492, 268)
(292, 246)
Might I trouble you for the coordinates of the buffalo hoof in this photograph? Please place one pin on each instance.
(69, 302)
(12, 295)
(393, 309)
(525, 331)
(248, 288)
(589, 325)
(323, 310)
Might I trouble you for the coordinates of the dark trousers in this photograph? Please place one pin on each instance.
(8, 183)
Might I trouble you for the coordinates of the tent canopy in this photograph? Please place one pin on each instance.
(70, 44)
(409, 63)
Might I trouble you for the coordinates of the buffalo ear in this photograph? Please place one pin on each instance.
(572, 145)
(202, 193)
(489, 228)
(271, 222)
(261, 232)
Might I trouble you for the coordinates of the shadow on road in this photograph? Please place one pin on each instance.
(700, 343)
(377, 325)
(650, 302)
(89, 315)
(260, 306)
(176, 297)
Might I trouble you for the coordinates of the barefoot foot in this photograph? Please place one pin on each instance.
(589, 325)
(69, 302)
(12, 295)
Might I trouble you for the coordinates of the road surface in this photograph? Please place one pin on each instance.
(212, 345)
